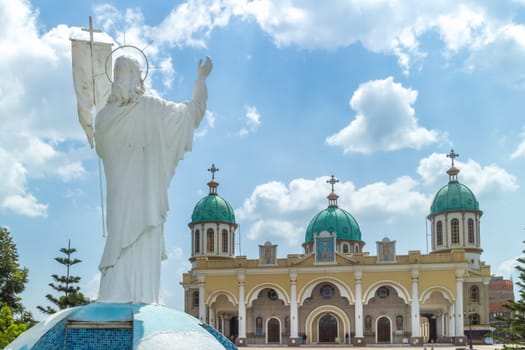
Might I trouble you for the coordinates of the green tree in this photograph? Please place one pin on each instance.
(65, 284)
(12, 277)
(513, 327)
(9, 328)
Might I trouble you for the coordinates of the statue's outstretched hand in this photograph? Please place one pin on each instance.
(205, 69)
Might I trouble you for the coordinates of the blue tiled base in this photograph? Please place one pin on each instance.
(53, 339)
(98, 339)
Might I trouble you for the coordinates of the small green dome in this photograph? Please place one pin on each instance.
(213, 208)
(334, 219)
(454, 196)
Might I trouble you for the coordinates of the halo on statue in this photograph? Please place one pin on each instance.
(122, 47)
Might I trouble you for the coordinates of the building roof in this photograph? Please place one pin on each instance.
(333, 219)
(213, 207)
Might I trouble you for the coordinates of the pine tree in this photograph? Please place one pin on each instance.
(12, 277)
(66, 284)
(513, 328)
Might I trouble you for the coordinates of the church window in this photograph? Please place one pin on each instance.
(345, 248)
(454, 227)
(382, 292)
(211, 240)
(224, 241)
(439, 233)
(258, 325)
(196, 298)
(197, 241)
(272, 294)
(327, 291)
(474, 294)
(356, 248)
(471, 231)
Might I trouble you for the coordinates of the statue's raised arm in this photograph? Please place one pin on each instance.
(204, 69)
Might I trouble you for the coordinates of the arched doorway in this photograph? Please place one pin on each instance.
(383, 330)
(274, 331)
(327, 329)
(234, 327)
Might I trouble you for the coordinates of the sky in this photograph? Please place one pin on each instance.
(375, 93)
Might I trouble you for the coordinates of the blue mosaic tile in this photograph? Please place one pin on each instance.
(98, 339)
(53, 339)
(220, 337)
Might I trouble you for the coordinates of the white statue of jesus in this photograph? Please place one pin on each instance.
(140, 139)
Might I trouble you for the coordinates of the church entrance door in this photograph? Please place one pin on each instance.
(327, 329)
(383, 330)
(273, 331)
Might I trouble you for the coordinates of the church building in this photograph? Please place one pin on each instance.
(335, 292)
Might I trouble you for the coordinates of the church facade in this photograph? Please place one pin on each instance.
(335, 292)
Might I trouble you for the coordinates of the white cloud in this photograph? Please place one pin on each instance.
(210, 124)
(482, 180)
(283, 211)
(520, 149)
(252, 120)
(43, 112)
(507, 268)
(385, 120)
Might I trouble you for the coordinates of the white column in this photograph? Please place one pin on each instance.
(459, 303)
(242, 307)
(451, 321)
(416, 329)
(202, 305)
(293, 306)
(358, 305)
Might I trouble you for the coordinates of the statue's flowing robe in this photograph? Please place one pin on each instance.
(140, 144)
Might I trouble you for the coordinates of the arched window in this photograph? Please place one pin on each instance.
(454, 228)
(224, 241)
(439, 233)
(474, 294)
(197, 241)
(210, 240)
(345, 248)
(196, 298)
(356, 248)
(471, 231)
(258, 325)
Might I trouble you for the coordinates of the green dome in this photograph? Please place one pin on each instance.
(213, 208)
(454, 196)
(334, 219)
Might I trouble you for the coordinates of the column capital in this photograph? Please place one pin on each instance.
(293, 275)
(358, 275)
(241, 276)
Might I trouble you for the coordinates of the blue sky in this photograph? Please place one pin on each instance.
(375, 93)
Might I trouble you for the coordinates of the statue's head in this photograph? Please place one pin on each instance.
(127, 84)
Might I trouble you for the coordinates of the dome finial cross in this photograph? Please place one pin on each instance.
(452, 156)
(213, 170)
(332, 181)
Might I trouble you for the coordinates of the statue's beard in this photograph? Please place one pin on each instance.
(123, 94)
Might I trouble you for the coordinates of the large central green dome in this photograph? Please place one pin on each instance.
(452, 197)
(334, 219)
(213, 208)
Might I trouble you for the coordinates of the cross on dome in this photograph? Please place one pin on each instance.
(452, 156)
(213, 184)
(332, 181)
(453, 171)
(332, 197)
(213, 170)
